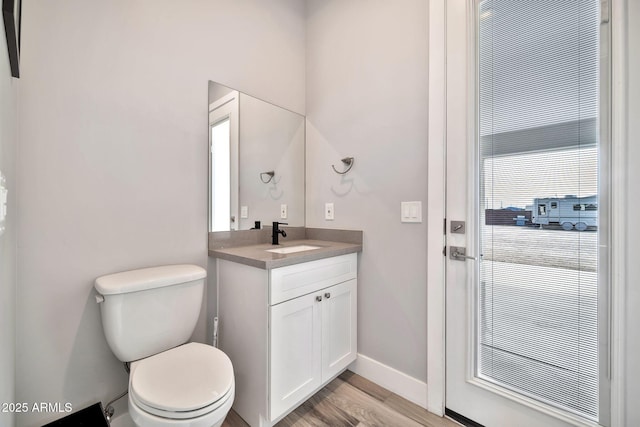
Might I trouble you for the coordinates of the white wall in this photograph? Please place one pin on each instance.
(367, 98)
(632, 338)
(113, 159)
(8, 139)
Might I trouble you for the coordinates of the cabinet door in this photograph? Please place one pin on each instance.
(338, 328)
(294, 352)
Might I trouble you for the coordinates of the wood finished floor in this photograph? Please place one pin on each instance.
(351, 400)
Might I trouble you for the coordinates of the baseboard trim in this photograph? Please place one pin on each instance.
(398, 382)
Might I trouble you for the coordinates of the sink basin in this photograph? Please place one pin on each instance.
(293, 249)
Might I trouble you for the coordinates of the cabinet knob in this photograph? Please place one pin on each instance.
(319, 298)
(327, 295)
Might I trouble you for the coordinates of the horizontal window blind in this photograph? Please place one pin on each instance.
(538, 194)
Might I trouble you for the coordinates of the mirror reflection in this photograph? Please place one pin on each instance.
(256, 162)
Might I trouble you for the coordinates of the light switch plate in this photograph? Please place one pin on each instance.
(283, 211)
(328, 211)
(411, 211)
(244, 211)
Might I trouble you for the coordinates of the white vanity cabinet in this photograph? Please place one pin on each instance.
(288, 331)
(312, 341)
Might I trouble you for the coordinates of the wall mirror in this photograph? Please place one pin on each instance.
(256, 162)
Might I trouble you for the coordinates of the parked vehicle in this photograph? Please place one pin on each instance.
(568, 212)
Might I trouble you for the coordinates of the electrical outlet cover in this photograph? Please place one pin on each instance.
(329, 212)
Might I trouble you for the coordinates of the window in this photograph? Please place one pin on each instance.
(220, 176)
(537, 298)
(585, 207)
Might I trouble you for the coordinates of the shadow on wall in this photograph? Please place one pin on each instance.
(346, 185)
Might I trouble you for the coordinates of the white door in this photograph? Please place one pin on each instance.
(522, 317)
(338, 328)
(295, 328)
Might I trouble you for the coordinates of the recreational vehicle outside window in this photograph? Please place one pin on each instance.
(542, 210)
(554, 205)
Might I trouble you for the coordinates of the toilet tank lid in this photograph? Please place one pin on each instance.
(148, 278)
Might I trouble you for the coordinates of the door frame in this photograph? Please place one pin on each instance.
(436, 198)
(436, 190)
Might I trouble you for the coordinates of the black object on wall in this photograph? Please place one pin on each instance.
(11, 13)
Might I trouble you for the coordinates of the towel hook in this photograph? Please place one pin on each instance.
(348, 161)
(270, 174)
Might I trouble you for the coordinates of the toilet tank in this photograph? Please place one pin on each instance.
(147, 311)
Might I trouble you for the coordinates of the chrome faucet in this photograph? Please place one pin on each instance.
(276, 231)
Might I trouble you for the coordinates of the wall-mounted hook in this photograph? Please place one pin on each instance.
(270, 174)
(348, 161)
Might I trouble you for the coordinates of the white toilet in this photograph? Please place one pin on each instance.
(148, 315)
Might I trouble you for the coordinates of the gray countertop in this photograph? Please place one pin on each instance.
(257, 255)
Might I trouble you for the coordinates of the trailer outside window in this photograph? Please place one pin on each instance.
(554, 205)
(542, 210)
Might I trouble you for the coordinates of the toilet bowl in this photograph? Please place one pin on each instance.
(190, 385)
(148, 315)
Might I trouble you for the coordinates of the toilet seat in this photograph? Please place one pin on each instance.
(184, 382)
